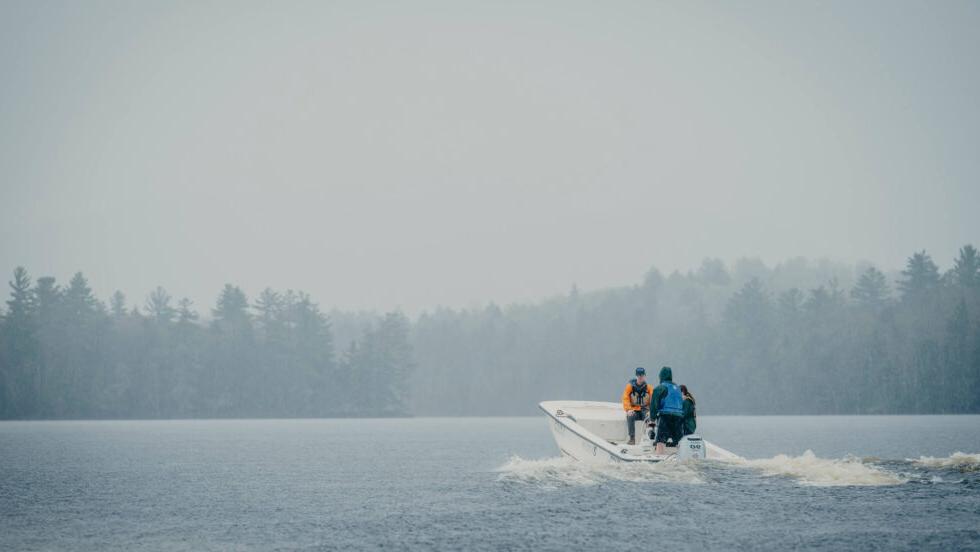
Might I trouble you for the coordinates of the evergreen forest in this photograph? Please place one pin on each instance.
(800, 337)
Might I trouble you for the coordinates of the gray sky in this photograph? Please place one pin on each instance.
(414, 154)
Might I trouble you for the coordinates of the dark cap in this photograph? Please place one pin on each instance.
(641, 371)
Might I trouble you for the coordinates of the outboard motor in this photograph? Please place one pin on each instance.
(691, 447)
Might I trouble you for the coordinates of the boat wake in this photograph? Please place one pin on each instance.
(809, 469)
(562, 471)
(959, 461)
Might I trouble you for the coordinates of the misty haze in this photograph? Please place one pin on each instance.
(355, 275)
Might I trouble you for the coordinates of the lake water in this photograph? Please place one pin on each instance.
(484, 484)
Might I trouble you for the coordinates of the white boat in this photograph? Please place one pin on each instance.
(595, 432)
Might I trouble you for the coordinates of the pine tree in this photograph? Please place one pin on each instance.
(19, 335)
(185, 311)
(52, 338)
(233, 356)
(79, 299)
(188, 356)
(920, 276)
(269, 306)
(748, 309)
(117, 304)
(78, 370)
(871, 289)
(232, 306)
(313, 362)
(395, 359)
(966, 268)
(748, 337)
(19, 304)
(158, 306)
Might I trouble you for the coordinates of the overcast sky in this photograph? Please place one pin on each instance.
(414, 154)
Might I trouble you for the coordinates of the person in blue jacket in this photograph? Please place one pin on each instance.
(667, 407)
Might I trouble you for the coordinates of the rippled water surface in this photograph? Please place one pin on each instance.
(484, 483)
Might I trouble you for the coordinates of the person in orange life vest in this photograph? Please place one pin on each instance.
(636, 402)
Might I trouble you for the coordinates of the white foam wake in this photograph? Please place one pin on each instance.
(958, 460)
(563, 472)
(809, 469)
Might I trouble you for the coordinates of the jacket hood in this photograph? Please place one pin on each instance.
(666, 374)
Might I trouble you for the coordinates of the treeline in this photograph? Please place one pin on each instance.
(65, 354)
(800, 337)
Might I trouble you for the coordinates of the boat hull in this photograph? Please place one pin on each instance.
(596, 433)
(584, 441)
(580, 448)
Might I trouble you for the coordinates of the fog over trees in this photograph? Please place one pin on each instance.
(800, 337)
